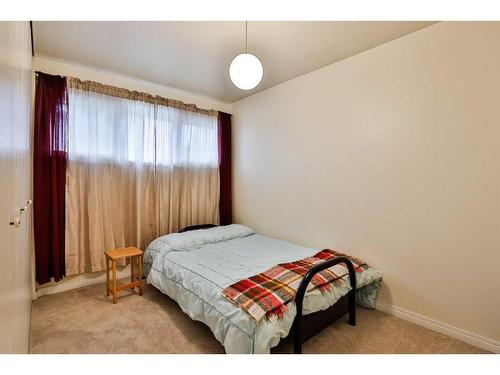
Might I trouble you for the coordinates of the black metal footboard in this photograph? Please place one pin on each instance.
(298, 337)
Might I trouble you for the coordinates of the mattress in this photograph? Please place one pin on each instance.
(194, 267)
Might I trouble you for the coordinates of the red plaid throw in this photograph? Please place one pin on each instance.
(269, 292)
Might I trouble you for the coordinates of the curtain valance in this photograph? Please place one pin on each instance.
(135, 95)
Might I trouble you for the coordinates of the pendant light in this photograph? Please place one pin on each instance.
(246, 70)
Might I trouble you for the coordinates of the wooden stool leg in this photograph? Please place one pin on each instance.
(113, 261)
(107, 277)
(132, 260)
(140, 274)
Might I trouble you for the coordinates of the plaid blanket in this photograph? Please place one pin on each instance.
(269, 292)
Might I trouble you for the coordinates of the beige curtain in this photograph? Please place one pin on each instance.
(136, 170)
(187, 196)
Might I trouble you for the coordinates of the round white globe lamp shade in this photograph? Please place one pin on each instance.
(246, 71)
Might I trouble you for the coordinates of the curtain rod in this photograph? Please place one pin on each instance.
(37, 72)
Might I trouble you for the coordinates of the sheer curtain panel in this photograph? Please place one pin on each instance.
(187, 174)
(136, 170)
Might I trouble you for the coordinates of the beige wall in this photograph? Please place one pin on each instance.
(392, 155)
(15, 109)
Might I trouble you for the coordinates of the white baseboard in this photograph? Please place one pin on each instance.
(446, 329)
(78, 281)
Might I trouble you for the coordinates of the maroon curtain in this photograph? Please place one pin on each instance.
(49, 175)
(225, 202)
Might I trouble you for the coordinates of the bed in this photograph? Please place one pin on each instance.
(195, 266)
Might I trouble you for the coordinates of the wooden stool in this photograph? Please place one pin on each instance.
(127, 252)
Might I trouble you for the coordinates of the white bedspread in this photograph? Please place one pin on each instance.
(194, 267)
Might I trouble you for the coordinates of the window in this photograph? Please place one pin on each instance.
(105, 128)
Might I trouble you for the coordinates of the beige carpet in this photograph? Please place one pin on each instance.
(85, 321)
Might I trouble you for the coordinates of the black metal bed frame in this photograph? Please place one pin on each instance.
(319, 320)
(306, 326)
(195, 227)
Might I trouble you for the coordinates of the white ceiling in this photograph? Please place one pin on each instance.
(195, 56)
